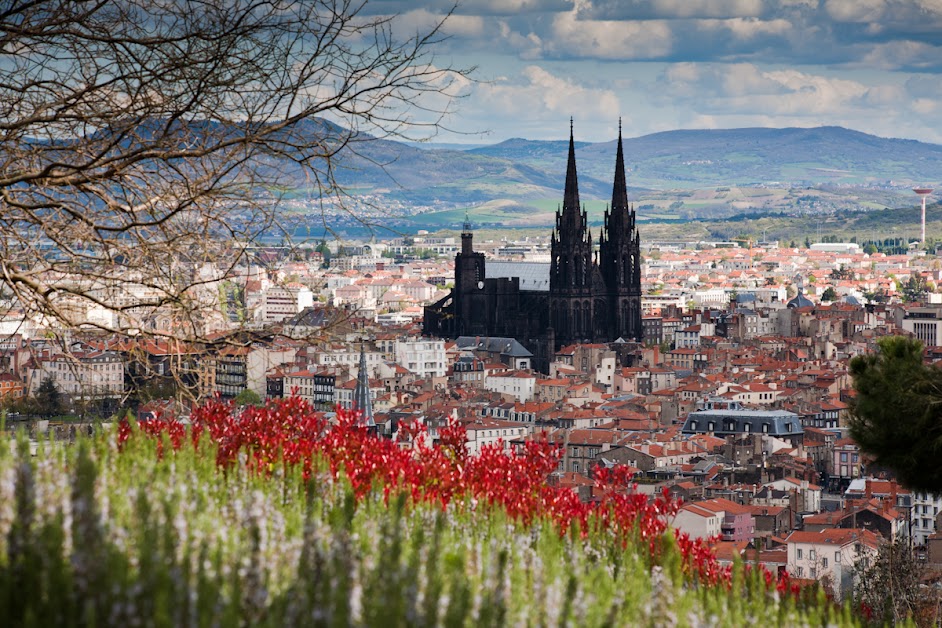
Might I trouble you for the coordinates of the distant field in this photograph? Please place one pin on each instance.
(877, 224)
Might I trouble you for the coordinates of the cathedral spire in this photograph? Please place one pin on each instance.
(571, 193)
(620, 188)
(361, 394)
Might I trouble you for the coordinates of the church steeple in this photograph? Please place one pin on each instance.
(571, 193)
(620, 187)
(620, 256)
(572, 271)
(362, 402)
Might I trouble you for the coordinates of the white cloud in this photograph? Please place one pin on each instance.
(856, 10)
(668, 9)
(744, 87)
(529, 46)
(735, 95)
(747, 28)
(513, 7)
(925, 106)
(422, 20)
(709, 8)
(902, 54)
(541, 94)
(609, 39)
(916, 14)
(745, 79)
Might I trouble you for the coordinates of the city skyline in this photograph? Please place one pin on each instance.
(868, 65)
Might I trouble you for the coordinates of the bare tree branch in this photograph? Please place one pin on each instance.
(140, 139)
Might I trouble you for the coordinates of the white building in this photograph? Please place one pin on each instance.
(755, 325)
(689, 337)
(698, 522)
(810, 493)
(486, 431)
(348, 358)
(925, 323)
(923, 515)
(517, 384)
(260, 360)
(830, 554)
(425, 356)
(80, 374)
(836, 247)
(714, 297)
(279, 303)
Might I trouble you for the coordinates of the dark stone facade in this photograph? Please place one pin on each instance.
(580, 296)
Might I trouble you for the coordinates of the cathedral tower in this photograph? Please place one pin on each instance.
(469, 282)
(620, 258)
(572, 272)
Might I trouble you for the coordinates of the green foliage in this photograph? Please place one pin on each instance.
(876, 296)
(48, 399)
(842, 273)
(915, 288)
(324, 250)
(248, 398)
(897, 414)
(829, 294)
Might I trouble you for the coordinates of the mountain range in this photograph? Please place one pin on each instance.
(673, 175)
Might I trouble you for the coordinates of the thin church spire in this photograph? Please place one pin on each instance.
(362, 402)
(620, 187)
(571, 193)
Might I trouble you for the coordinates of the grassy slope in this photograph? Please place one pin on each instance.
(93, 536)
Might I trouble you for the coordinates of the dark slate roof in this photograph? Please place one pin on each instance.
(730, 422)
(800, 300)
(501, 346)
(308, 317)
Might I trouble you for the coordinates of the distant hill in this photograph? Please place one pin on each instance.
(672, 176)
(698, 158)
(521, 168)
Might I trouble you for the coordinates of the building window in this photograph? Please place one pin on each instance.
(798, 553)
(837, 557)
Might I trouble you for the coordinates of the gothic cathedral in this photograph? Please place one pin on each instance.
(588, 295)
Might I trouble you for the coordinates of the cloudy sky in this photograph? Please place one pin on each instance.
(870, 65)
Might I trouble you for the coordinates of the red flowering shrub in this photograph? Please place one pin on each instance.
(290, 432)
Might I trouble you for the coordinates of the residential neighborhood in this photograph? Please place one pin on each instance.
(736, 400)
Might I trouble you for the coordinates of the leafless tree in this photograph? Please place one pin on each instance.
(144, 141)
